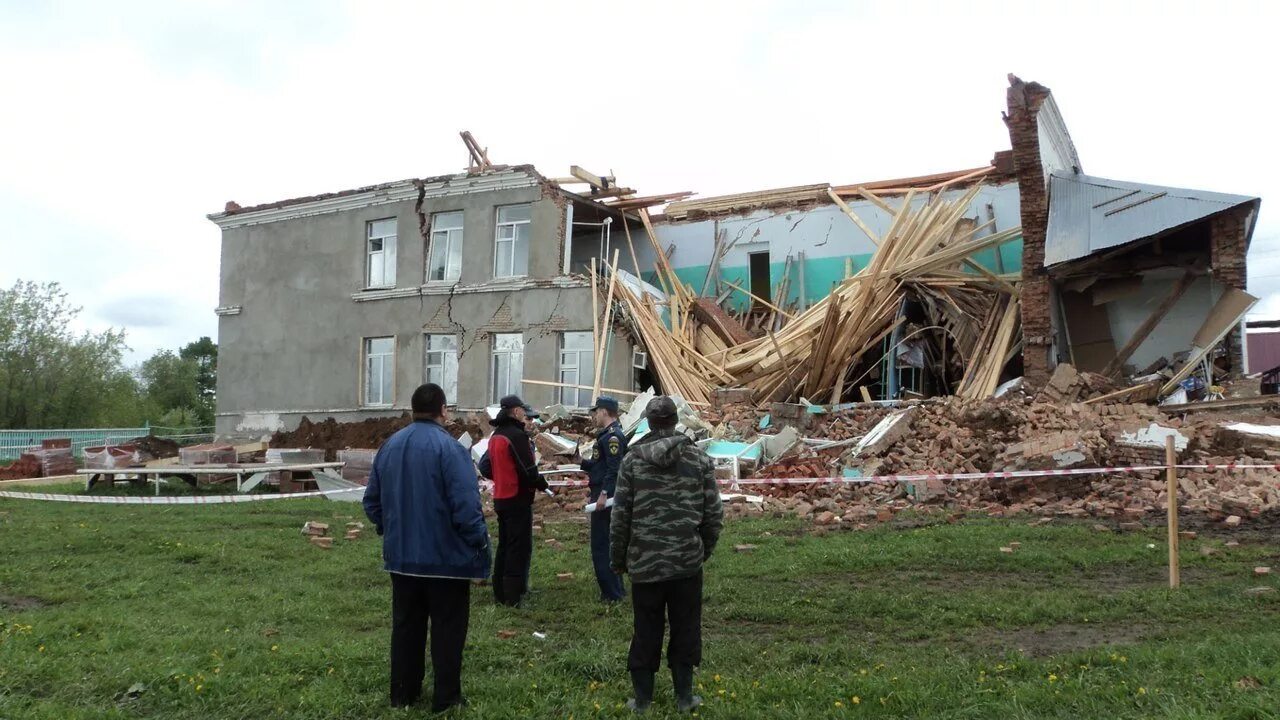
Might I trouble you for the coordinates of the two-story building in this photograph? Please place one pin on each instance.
(339, 305)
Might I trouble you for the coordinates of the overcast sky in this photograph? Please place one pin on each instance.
(125, 123)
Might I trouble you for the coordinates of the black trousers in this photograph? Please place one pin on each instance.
(681, 602)
(515, 551)
(447, 604)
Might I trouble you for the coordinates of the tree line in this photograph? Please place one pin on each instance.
(52, 377)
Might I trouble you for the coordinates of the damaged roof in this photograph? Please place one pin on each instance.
(1001, 168)
(1089, 214)
(499, 177)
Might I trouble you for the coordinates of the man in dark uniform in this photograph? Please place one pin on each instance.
(667, 519)
(602, 471)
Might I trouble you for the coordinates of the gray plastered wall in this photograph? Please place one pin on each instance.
(295, 346)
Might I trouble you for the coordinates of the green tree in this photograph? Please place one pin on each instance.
(204, 352)
(51, 377)
(171, 384)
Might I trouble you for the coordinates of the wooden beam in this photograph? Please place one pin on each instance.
(1144, 330)
(591, 179)
(875, 240)
(759, 299)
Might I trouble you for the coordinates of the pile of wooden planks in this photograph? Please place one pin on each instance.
(925, 257)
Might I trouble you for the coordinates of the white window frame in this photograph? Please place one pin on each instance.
(386, 362)
(570, 362)
(498, 240)
(448, 236)
(444, 370)
(497, 392)
(383, 259)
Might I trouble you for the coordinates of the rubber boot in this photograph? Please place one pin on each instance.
(642, 683)
(682, 679)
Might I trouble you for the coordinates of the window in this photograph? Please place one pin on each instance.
(511, 247)
(380, 247)
(379, 371)
(445, 263)
(442, 364)
(577, 367)
(507, 368)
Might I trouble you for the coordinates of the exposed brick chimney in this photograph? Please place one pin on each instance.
(1024, 100)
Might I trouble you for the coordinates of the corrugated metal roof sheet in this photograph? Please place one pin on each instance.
(1089, 214)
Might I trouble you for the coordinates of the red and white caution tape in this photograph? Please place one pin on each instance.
(998, 475)
(171, 499)
(485, 484)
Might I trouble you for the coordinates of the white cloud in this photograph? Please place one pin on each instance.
(126, 123)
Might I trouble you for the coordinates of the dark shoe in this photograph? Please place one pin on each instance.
(642, 683)
(446, 707)
(682, 679)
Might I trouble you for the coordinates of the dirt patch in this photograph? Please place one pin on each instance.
(1062, 639)
(25, 467)
(20, 602)
(153, 447)
(1263, 528)
(333, 436)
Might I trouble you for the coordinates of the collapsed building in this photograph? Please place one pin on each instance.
(500, 279)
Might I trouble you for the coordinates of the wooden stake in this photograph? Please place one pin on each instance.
(1171, 460)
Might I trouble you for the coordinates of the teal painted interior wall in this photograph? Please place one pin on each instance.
(822, 274)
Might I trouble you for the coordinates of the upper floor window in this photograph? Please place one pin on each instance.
(380, 251)
(445, 263)
(511, 247)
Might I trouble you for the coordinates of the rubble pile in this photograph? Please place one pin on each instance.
(1021, 433)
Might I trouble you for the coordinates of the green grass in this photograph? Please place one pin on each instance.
(226, 612)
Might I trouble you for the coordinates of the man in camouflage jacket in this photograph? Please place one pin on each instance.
(667, 517)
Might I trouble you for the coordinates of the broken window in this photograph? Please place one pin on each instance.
(380, 248)
(445, 264)
(442, 364)
(379, 371)
(577, 367)
(511, 244)
(507, 368)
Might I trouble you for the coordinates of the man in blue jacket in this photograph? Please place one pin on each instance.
(602, 474)
(424, 501)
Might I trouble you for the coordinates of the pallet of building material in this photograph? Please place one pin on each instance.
(359, 464)
(108, 457)
(54, 461)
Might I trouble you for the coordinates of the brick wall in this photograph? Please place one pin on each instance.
(1227, 258)
(1024, 101)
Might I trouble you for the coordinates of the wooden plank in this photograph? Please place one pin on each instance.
(606, 329)
(758, 299)
(590, 178)
(848, 211)
(1144, 330)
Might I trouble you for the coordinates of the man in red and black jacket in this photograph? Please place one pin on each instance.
(515, 481)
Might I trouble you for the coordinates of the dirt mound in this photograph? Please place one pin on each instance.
(25, 467)
(370, 433)
(152, 447)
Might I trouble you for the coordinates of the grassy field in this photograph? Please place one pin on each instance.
(226, 612)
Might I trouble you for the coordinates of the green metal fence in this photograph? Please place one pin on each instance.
(15, 442)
